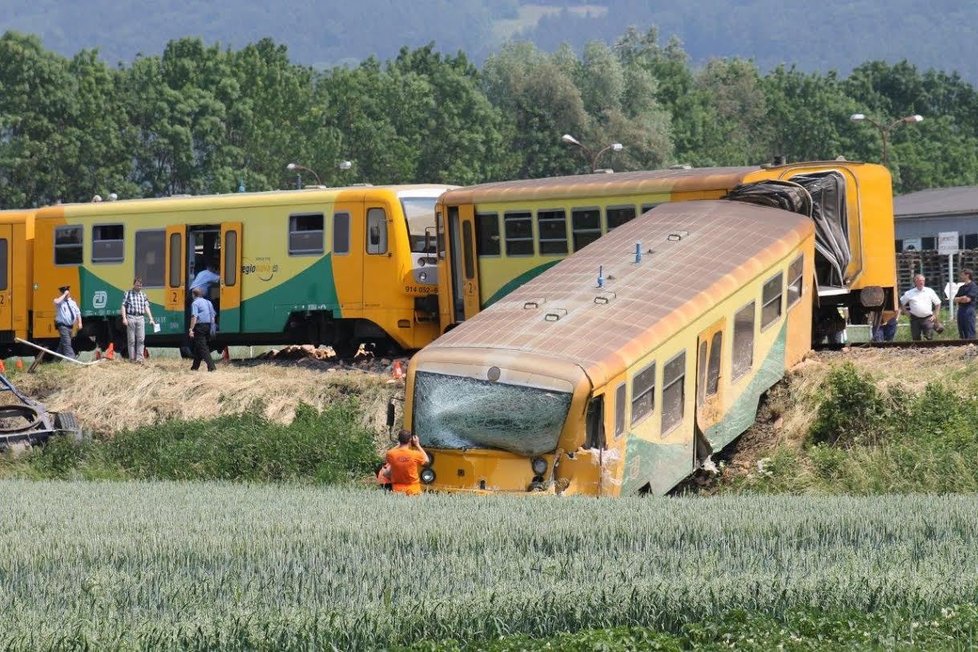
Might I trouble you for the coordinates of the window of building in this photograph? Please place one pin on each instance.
(620, 398)
(586, 225)
(230, 276)
(487, 228)
(376, 231)
(795, 281)
(970, 241)
(771, 300)
(618, 215)
(743, 341)
(519, 233)
(552, 226)
(68, 245)
(643, 393)
(306, 234)
(928, 244)
(341, 233)
(673, 392)
(107, 243)
(150, 263)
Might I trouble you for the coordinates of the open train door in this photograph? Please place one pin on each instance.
(229, 318)
(462, 258)
(709, 385)
(6, 276)
(176, 271)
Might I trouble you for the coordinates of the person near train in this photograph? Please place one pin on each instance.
(967, 300)
(206, 278)
(202, 324)
(924, 307)
(135, 310)
(404, 462)
(67, 316)
(887, 328)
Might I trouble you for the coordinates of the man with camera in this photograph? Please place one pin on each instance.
(404, 463)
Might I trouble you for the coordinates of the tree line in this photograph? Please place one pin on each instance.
(202, 119)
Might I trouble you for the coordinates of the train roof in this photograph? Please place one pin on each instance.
(693, 254)
(236, 200)
(619, 183)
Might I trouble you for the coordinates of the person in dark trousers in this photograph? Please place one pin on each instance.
(66, 316)
(967, 300)
(201, 321)
(887, 328)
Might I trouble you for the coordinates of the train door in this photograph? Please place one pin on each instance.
(229, 313)
(709, 387)
(380, 278)
(6, 268)
(465, 283)
(347, 257)
(176, 273)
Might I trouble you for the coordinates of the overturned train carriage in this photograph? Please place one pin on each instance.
(624, 366)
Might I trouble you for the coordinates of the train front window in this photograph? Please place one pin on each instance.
(461, 413)
(419, 213)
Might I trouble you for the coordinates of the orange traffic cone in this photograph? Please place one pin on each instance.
(226, 356)
(110, 352)
(19, 364)
(397, 373)
(3, 367)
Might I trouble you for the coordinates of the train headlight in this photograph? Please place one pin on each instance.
(422, 276)
(539, 465)
(427, 475)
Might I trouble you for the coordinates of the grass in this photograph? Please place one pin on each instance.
(217, 566)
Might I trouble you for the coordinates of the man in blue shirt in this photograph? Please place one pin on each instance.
(206, 278)
(66, 316)
(201, 320)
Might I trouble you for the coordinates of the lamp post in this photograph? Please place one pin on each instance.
(591, 156)
(885, 129)
(295, 167)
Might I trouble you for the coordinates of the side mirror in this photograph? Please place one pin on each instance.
(428, 246)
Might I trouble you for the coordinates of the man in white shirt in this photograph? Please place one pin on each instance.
(67, 316)
(924, 307)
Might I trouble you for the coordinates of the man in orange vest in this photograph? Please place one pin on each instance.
(404, 463)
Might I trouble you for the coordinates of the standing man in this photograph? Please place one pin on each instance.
(404, 463)
(66, 316)
(967, 300)
(923, 305)
(135, 310)
(201, 319)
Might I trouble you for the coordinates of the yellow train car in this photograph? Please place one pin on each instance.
(338, 266)
(624, 366)
(495, 237)
(16, 251)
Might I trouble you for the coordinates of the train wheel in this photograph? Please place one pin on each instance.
(345, 348)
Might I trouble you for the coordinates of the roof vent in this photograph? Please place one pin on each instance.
(533, 304)
(605, 298)
(555, 315)
(676, 236)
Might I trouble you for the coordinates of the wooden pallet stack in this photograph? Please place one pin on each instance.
(933, 266)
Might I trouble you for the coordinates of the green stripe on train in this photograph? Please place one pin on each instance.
(518, 281)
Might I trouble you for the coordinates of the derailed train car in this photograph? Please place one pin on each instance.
(620, 369)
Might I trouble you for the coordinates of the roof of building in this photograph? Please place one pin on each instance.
(934, 202)
(694, 253)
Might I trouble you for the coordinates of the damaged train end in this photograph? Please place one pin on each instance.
(621, 369)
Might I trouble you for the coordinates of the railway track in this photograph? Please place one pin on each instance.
(909, 344)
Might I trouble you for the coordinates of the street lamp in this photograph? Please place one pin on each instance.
(885, 129)
(295, 167)
(592, 156)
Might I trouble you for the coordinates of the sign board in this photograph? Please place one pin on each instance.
(947, 243)
(912, 244)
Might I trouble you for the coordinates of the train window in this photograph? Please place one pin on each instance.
(341, 233)
(107, 243)
(647, 207)
(519, 233)
(68, 245)
(713, 374)
(795, 281)
(743, 341)
(594, 424)
(176, 260)
(487, 228)
(230, 252)
(643, 393)
(306, 234)
(620, 410)
(440, 234)
(771, 300)
(586, 225)
(149, 263)
(467, 256)
(376, 231)
(618, 215)
(552, 227)
(701, 361)
(673, 392)
(4, 262)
